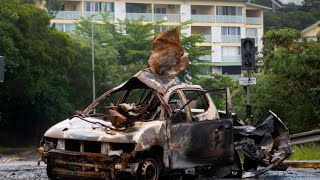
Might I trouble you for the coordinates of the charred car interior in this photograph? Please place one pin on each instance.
(151, 127)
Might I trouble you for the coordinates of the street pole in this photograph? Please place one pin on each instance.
(248, 106)
(93, 74)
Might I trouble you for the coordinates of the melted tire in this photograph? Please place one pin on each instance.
(149, 170)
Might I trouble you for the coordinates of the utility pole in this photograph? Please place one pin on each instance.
(248, 52)
(93, 73)
(2, 65)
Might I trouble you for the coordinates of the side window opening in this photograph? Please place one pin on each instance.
(176, 104)
(112, 100)
(198, 104)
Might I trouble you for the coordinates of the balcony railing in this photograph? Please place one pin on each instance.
(137, 16)
(206, 58)
(97, 15)
(230, 38)
(203, 18)
(229, 19)
(167, 17)
(207, 38)
(68, 15)
(253, 20)
(77, 14)
(235, 58)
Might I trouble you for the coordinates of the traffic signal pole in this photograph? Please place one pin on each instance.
(248, 105)
(248, 52)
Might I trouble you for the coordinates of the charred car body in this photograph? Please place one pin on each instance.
(151, 126)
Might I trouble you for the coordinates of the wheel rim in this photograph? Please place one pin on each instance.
(149, 170)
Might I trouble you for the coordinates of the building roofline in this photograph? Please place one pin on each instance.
(259, 6)
(278, 3)
(310, 27)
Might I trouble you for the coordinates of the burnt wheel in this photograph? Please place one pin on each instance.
(50, 174)
(149, 170)
(236, 168)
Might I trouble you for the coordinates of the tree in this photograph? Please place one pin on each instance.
(35, 93)
(214, 81)
(128, 45)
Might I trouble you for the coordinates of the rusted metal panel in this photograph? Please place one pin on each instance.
(81, 174)
(142, 134)
(201, 143)
(167, 57)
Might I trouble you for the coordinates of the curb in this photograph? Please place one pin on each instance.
(303, 164)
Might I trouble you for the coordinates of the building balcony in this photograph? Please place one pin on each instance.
(235, 58)
(206, 58)
(253, 20)
(68, 15)
(97, 15)
(167, 17)
(229, 19)
(203, 18)
(207, 38)
(137, 16)
(76, 15)
(230, 38)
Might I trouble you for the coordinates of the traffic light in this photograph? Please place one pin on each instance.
(1, 68)
(248, 52)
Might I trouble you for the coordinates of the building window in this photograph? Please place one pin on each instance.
(160, 10)
(230, 51)
(193, 11)
(98, 6)
(251, 32)
(228, 10)
(160, 29)
(64, 27)
(230, 31)
(231, 70)
(207, 70)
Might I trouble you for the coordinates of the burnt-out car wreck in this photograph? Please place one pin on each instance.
(151, 127)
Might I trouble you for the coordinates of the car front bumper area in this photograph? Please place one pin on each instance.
(81, 165)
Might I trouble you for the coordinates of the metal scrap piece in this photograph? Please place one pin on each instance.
(168, 58)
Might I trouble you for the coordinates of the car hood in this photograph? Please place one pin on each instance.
(92, 129)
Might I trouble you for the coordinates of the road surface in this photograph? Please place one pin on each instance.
(29, 170)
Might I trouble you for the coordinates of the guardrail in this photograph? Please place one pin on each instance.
(299, 138)
(305, 137)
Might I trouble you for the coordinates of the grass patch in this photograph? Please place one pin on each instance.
(14, 150)
(3, 150)
(305, 152)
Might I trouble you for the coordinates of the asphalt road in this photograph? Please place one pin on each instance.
(22, 170)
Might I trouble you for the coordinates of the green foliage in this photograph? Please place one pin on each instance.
(292, 16)
(214, 81)
(289, 83)
(126, 46)
(295, 19)
(35, 93)
(305, 152)
(311, 3)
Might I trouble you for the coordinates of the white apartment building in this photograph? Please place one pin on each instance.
(223, 23)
